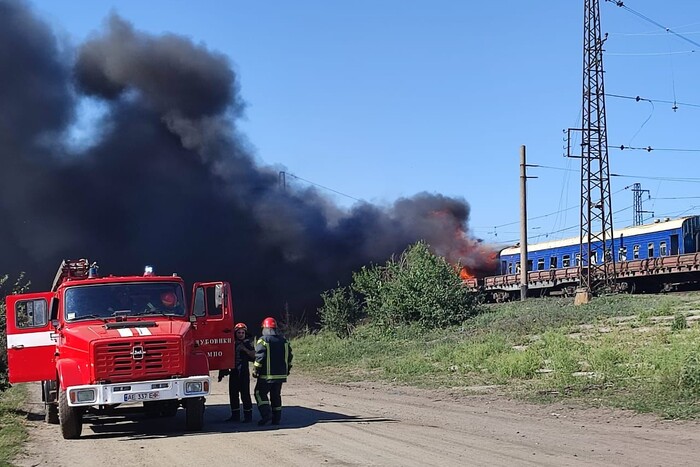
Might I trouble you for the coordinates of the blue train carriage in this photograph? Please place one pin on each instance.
(664, 253)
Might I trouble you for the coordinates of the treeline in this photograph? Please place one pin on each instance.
(418, 287)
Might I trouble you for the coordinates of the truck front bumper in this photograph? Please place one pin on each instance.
(141, 391)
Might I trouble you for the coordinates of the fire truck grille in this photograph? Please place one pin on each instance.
(137, 360)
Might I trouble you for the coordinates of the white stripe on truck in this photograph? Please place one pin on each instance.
(30, 339)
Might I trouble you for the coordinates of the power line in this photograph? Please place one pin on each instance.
(660, 101)
(649, 54)
(324, 187)
(665, 179)
(655, 23)
(622, 147)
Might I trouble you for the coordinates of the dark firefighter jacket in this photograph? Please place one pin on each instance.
(273, 358)
(242, 358)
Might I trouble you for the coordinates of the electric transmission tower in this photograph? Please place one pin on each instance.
(597, 258)
(637, 196)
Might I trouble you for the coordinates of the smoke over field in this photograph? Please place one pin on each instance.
(168, 180)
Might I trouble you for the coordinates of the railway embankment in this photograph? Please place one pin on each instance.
(635, 352)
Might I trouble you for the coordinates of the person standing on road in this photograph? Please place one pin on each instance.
(273, 362)
(239, 377)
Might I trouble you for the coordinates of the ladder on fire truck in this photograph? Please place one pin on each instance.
(72, 269)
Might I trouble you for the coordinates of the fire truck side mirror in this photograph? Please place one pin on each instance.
(193, 319)
(55, 323)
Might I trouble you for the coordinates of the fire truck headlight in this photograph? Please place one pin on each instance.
(193, 387)
(83, 395)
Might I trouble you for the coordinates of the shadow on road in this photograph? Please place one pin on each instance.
(133, 427)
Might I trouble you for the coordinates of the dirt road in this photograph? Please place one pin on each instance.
(372, 424)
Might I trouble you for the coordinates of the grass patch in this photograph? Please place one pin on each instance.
(12, 428)
(612, 352)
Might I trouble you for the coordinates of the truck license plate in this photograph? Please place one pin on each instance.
(141, 396)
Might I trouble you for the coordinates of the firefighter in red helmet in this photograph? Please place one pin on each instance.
(273, 362)
(239, 377)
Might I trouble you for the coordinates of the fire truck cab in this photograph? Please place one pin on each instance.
(96, 343)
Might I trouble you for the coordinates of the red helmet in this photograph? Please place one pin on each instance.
(169, 299)
(240, 326)
(269, 323)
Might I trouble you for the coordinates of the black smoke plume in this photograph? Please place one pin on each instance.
(168, 179)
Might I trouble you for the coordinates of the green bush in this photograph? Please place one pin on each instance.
(679, 322)
(418, 287)
(340, 311)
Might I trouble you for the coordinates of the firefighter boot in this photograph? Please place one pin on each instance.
(235, 416)
(276, 416)
(265, 414)
(247, 415)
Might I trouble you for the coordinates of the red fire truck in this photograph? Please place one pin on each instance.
(96, 343)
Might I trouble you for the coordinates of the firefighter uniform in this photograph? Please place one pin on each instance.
(273, 361)
(239, 383)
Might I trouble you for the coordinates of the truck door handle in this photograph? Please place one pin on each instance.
(20, 346)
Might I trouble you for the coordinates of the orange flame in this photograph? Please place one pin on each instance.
(464, 274)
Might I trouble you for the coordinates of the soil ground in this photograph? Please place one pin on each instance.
(372, 424)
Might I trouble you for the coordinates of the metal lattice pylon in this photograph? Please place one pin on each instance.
(597, 260)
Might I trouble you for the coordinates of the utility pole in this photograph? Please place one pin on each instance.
(282, 181)
(596, 262)
(523, 224)
(637, 196)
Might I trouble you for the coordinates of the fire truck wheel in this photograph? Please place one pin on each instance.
(51, 413)
(70, 418)
(194, 417)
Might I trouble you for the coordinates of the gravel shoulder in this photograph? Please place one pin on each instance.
(373, 424)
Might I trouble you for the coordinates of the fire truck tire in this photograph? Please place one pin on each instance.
(51, 413)
(70, 418)
(194, 414)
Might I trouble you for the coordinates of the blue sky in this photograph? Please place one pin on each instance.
(382, 99)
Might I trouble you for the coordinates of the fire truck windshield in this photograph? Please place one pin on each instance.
(102, 301)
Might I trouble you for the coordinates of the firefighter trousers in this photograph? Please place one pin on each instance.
(239, 391)
(270, 409)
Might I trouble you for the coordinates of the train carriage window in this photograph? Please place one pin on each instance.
(622, 254)
(540, 264)
(510, 268)
(566, 261)
(529, 265)
(674, 244)
(662, 249)
(553, 260)
(635, 252)
(517, 267)
(608, 255)
(650, 250)
(578, 259)
(594, 257)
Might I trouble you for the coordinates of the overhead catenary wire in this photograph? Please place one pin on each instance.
(622, 5)
(646, 99)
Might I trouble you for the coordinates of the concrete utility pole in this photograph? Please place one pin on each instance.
(523, 224)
